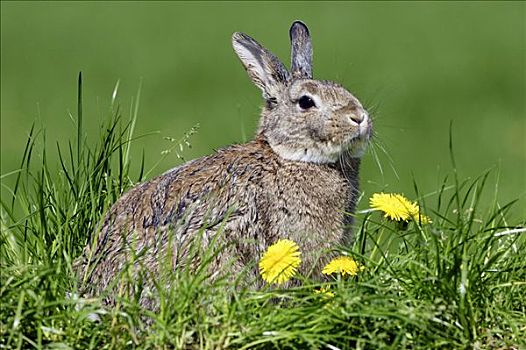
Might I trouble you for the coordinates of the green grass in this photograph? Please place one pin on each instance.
(459, 282)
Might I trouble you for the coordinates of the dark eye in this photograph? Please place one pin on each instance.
(306, 102)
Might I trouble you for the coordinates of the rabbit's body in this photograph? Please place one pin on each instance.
(247, 192)
(296, 180)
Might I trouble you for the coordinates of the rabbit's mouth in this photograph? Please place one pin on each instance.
(361, 122)
(357, 142)
(357, 146)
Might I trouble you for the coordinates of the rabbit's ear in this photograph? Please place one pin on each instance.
(301, 57)
(265, 69)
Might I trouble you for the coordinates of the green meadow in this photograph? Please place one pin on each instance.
(444, 84)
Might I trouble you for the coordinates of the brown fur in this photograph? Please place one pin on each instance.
(296, 180)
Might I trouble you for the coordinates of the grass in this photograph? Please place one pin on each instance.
(459, 282)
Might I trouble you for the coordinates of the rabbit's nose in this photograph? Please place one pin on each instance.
(357, 118)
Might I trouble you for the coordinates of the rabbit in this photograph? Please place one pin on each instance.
(298, 179)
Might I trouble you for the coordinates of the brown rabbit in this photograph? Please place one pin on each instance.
(297, 179)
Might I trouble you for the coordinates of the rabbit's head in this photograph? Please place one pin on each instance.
(303, 119)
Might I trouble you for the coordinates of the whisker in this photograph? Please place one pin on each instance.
(391, 162)
(376, 159)
(346, 164)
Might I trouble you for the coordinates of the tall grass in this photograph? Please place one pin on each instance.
(459, 282)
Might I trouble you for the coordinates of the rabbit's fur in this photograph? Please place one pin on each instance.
(296, 180)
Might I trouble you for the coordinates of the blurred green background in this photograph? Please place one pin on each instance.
(417, 66)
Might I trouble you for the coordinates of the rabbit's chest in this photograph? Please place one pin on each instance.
(305, 201)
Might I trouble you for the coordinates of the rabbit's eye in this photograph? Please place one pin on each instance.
(306, 102)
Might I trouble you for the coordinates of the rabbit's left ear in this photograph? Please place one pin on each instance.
(266, 70)
(301, 57)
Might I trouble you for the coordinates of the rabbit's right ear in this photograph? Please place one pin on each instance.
(301, 57)
(265, 69)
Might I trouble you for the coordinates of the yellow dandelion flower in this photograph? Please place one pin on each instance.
(397, 208)
(344, 265)
(394, 206)
(280, 261)
(325, 292)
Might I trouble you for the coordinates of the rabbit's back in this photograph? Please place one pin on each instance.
(247, 192)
